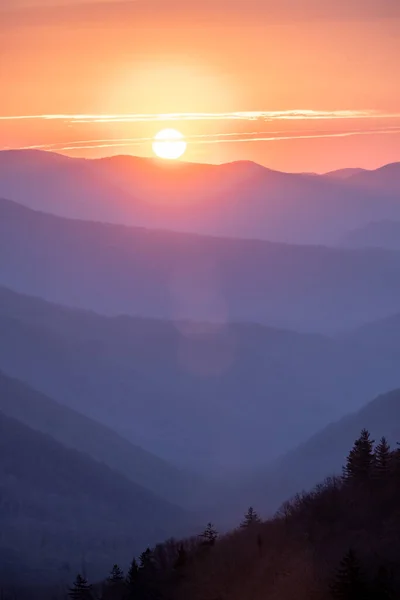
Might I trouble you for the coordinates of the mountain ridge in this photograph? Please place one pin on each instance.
(71, 506)
(75, 430)
(238, 199)
(184, 276)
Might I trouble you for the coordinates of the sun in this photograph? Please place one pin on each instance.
(169, 144)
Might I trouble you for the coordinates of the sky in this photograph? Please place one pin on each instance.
(296, 85)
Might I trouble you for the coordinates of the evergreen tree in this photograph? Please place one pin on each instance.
(114, 588)
(348, 583)
(360, 461)
(209, 535)
(250, 518)
(116, 575)
(80, 590)
(146, 560)
(383, 459)
(132, 575)
(132, 580)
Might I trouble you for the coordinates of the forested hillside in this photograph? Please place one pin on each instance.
(339, 542)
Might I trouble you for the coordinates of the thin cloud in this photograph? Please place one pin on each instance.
(265, 116)
(130, 141)
(250, 137)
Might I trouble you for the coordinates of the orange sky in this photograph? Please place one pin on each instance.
(217, 58)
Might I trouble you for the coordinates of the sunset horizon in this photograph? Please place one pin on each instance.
(295, 90)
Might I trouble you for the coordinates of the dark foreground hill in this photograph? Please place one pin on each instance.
(60, 508)
(103, 444)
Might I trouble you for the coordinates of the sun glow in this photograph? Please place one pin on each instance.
(169, 144)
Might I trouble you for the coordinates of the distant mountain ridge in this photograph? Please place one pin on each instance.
(344, 173)
(60, 507)
(205, 396)
(74, 430)
(378, 234)
(240, 199)
(105, 368)
(125, 270)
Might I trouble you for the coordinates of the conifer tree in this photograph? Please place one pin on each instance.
(114, 588)
(132, 580)
(80, 590)
(250, 518)
(360, 461)
(348, 583)
(383, 459)
(132, 575)
(116, 575)
(146, 560)
(148, 575)
(209, 535)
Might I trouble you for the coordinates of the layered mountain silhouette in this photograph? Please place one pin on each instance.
(240, 199)
(200, 395)
(386, 179)
(175, 345)
(379, 234)
(124, 270)
(61, 509)
(74, 430)
(344, 173)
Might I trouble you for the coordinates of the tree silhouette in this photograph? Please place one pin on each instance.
(146, 560)
(132, 580)
(348, 583)
(116, 575)
(383, 458)
(80, 590)
(360, 461)
(114, 588)
(250, 518)
(209, 535)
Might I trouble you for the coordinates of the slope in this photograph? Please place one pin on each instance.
(115, 270)
(386, 179)
(239, 199)
(77, 431)
(379, 234)
(181, 390)
(224, 397)
(59, 507)
(324, 453)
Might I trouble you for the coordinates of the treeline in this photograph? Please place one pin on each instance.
(157, 571)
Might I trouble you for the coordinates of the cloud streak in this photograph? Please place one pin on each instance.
(217, 138)
(263, 116)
